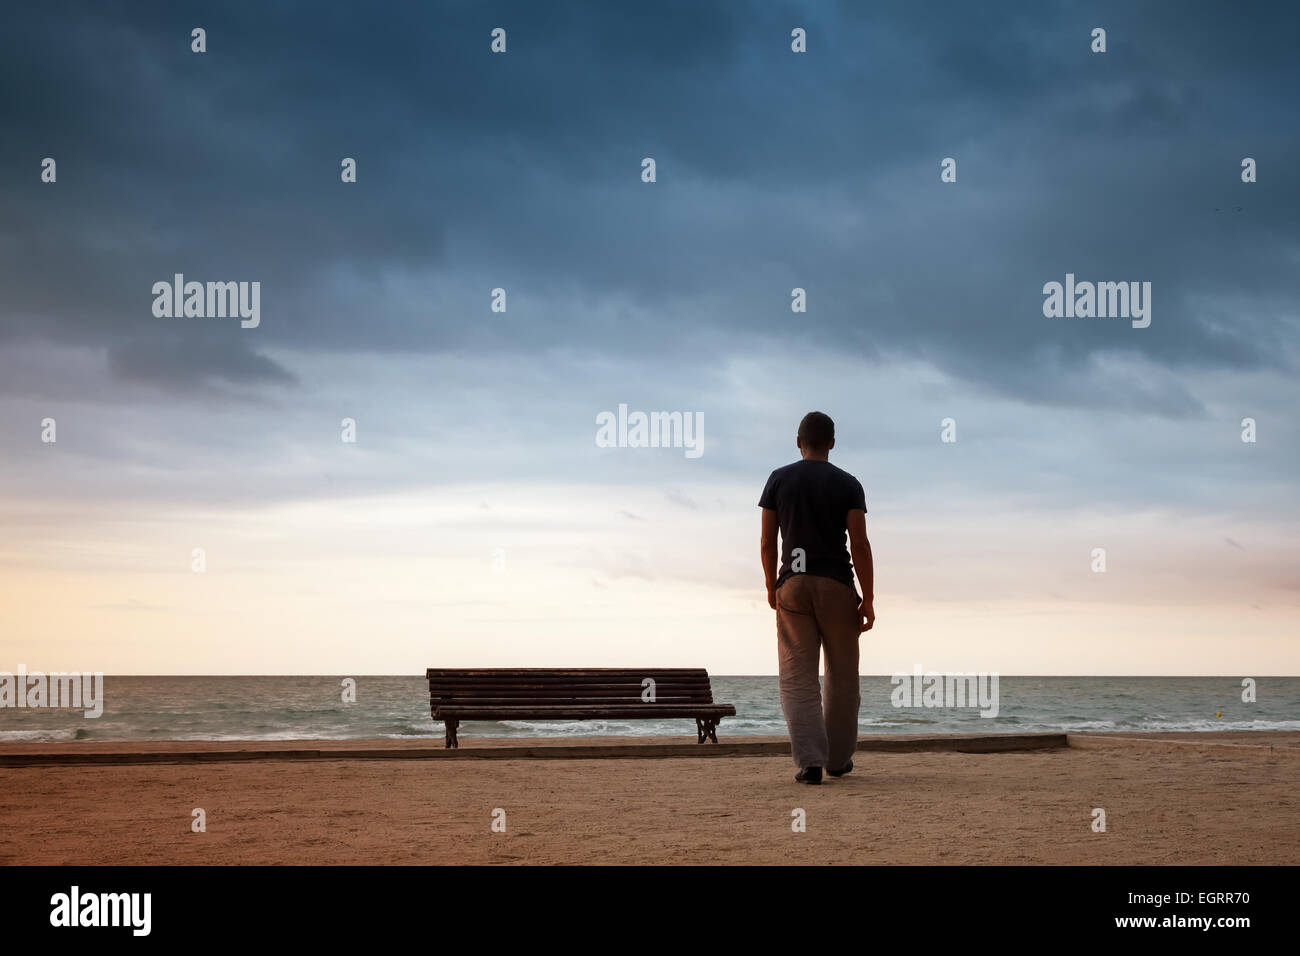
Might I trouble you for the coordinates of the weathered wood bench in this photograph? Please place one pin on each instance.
(584, 693)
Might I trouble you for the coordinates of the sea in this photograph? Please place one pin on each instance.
(314, 708)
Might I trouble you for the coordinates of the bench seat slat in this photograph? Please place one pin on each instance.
(583, 700)
(558, 700)
(559, 671)
(485, 682)
(603, 682)
(478, 712)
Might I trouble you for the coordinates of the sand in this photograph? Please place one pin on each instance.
(1169, 799)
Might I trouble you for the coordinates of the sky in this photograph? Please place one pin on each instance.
(475, 520)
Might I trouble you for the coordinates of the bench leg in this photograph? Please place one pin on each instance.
(451, 734)
(706, 729)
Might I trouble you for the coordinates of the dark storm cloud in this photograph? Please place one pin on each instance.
(775, 170)
(183, 362)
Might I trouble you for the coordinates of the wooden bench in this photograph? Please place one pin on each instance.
(583, 693)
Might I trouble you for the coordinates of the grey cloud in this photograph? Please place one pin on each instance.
(521, 171)
(182, 363)
(679, 497)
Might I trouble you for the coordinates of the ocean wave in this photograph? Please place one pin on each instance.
(1217, 724)
(1142, 725)
(38, 736)
(613, 728)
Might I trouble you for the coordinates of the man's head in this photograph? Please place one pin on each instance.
(816, 435)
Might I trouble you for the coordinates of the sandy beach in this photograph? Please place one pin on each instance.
(1169, 799)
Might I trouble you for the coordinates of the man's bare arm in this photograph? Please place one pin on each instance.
(860, 550)
(767, 551)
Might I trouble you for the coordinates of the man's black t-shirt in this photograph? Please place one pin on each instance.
(812, 500)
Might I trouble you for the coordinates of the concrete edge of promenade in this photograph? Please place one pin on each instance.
(504, 748)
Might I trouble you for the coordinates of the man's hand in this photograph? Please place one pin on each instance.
(868, 611)
(771, 597)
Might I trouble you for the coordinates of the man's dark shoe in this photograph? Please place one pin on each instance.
(842, 771)
(811, 775)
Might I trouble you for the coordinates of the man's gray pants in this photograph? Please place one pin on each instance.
(816, 614)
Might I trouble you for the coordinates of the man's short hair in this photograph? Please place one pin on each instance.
(817, 431)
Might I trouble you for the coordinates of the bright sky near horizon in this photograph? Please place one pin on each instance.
(475, 520)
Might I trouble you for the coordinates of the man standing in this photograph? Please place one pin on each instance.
(813, 503)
